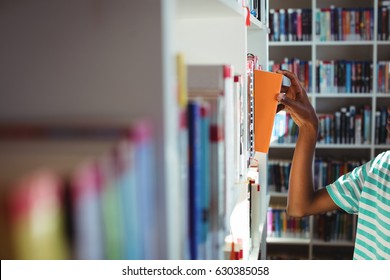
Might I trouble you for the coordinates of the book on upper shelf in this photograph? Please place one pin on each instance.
(384, 21)
(301, 68)
(344, 24)
(290, 25)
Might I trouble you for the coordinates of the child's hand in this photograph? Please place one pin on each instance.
(295, 101)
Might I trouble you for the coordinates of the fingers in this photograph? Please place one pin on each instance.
(289, 75)
(292, 77)
(283, 99)
(284, 89)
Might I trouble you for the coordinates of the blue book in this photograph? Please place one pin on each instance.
(367, 125)
(205, 186)
(213, 84)
(147, 190)
(195, 177)
(282, 24)
(86, 206)
(128, 193)
(348, 75)
(277, 222)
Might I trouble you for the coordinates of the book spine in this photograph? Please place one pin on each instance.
(282, 25)
(358, 128)
(367, 125)
(195, 178)
(299, 25)
(204, 247)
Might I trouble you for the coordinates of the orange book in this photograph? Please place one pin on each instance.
(267, 85)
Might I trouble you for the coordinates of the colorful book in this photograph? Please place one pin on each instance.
(214, 84)
(99, 211)
(196, 179)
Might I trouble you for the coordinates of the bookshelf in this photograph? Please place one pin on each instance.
(365, 45)
(115, 62)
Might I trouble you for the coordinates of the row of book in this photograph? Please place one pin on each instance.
(278, 172)
(301, 68)
(344, 76)
(217, 159)
(334, 226)
(344, 24)
(279, 224)
(72, 192)
(383, 71)
(346, 126)
(207, 180)
(331, 24)
(337, 76)
(326, 171)
(216, 156)
(349, 125)
(290, 25)
(285, 130)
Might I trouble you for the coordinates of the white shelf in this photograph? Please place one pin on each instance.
(278, 194)
(334, 243)
(288, 240)
(343, 43)
(188, 9)
(293, 43)
(343, 146)
(344, 95)
(254, 255)
(256, 24)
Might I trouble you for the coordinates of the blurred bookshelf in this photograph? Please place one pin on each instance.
(96, 114)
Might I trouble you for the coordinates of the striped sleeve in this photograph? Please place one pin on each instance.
(346, 190)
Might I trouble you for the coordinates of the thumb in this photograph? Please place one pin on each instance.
(287, 102)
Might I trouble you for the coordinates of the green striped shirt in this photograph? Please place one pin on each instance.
(365, 191)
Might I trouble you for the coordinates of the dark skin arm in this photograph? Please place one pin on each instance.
(302, 199)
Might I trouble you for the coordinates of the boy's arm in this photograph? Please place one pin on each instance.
(302, 200)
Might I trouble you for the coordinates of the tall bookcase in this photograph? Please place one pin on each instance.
(113, 61)
(316, 48)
